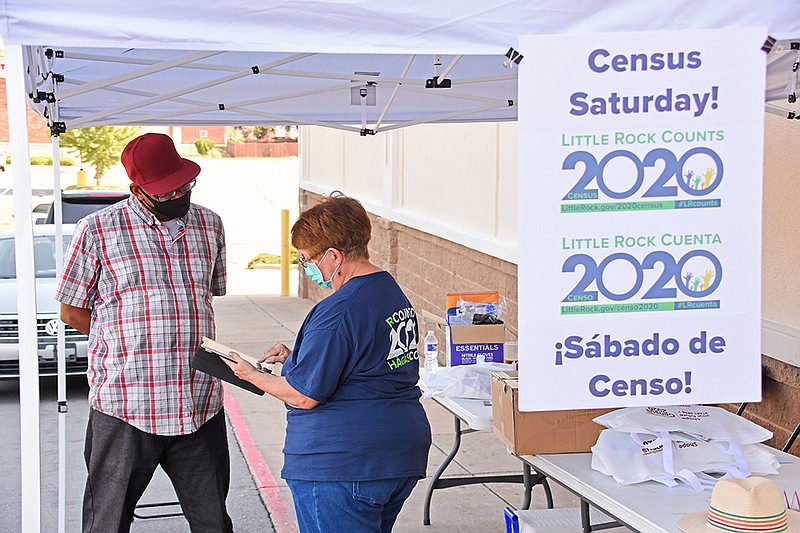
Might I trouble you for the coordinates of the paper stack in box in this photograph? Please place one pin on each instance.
(696, 445)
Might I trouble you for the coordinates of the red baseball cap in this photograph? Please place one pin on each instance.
(153, 163)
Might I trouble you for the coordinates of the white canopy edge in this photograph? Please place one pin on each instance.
(367, 26)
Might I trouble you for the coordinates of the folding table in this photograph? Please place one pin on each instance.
(646, 507)
(477, 414)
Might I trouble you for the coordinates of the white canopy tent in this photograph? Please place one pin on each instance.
(361, 65)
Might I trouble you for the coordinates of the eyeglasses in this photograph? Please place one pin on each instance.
(170, 195)
(303, 260)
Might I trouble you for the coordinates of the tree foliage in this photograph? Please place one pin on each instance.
(243, 134)
(250, 133)
(99, 146)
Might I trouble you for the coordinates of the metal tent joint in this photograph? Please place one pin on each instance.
(43, 96)
(50, 53)
(435, 83)
(255, 69)
(57, 128)
(62, 406)
(366, 131)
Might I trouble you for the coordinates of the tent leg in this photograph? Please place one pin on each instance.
(26, 291)
(61, 349)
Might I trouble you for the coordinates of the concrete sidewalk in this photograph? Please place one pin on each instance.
(252, 322)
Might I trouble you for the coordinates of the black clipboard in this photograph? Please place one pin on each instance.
(212, 364)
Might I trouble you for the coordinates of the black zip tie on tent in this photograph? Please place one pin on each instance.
(791, 87)
(50, 53)
(514, 58)
(49, 80)
(768, 44)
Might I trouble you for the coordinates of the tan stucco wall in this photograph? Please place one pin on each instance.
(465, 176)
(780, 284)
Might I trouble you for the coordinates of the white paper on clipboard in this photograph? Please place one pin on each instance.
(220, 349)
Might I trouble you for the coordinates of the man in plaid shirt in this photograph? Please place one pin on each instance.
(139, 277)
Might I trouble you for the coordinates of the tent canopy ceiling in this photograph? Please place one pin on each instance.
(309, 62)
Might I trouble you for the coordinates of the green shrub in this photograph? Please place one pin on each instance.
(45, 160)
(272, 259)
(204, 146)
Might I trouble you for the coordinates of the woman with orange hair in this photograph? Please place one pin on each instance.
(357, 437)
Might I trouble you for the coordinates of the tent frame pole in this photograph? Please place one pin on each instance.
(152, 69)
(90, 119)
(61, 345)
(26, 292)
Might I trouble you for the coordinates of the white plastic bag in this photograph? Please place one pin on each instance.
(693, 421)
(632, 458)
(465, 381)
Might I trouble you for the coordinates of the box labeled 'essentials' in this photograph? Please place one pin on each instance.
(530, 433)
(465, 343)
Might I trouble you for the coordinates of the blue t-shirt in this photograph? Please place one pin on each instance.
(356, 354)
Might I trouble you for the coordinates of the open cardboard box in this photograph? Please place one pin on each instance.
(530, 433)
(466, 342)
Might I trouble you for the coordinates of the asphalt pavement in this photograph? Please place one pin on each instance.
(244, 503)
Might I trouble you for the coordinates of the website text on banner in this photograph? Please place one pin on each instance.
(640, 179)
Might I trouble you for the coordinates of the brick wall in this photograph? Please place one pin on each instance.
(189, 134)
(778, 410)
(427, 267)
(38, 132)
(277, 149)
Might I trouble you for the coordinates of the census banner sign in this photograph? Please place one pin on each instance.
(640, 218)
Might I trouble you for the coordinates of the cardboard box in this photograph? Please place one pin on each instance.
(538, 432)
(464, 343)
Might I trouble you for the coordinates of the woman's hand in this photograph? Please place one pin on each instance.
(276, 386)
(241, 368)
(277, 353)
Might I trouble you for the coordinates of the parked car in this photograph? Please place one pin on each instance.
(40, 212)
(78, 203)
(46, 307)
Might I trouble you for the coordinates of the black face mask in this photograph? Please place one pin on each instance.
(175, 208)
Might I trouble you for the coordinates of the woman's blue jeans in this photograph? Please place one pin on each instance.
(351, 506)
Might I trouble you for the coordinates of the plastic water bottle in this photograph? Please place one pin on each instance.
(431, 352)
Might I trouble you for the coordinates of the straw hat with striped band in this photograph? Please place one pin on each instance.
(744, 506)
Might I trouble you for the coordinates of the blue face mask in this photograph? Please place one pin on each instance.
(315, 274)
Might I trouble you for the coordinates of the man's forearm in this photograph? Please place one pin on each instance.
(77, 317)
